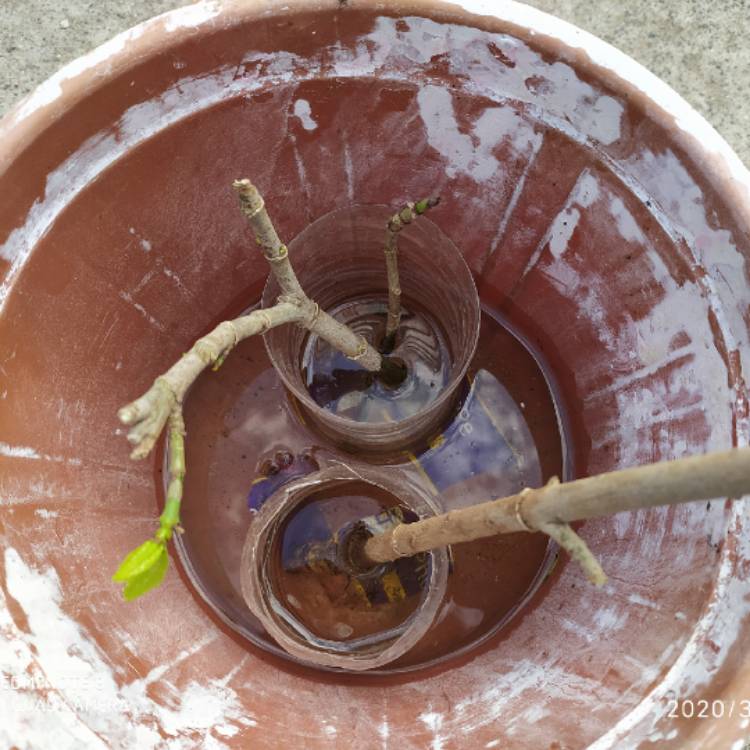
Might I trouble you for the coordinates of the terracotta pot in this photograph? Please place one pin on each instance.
(597, 211)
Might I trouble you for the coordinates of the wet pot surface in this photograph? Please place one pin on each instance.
(611, 238)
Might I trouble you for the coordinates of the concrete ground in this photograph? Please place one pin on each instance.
(699, 48)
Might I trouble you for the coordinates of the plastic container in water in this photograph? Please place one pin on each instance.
(598, 213)
(340, 263)
(356, 629)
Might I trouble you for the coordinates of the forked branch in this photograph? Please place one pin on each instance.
(147, 415)
(276, 253)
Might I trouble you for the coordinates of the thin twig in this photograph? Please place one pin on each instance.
(395, 224)
(564, 535)
(170, 518)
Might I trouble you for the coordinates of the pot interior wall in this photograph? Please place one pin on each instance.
(584, 221)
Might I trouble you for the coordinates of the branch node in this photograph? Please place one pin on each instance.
(267, 324)
(235, 334)
(399, 220)
(206, 354)
(362, 348)
(314, 315)
(564, 535)
(517, 510)
(177, 422)
(164, 384)
(290, 299)
(251, 201)
(281, 255)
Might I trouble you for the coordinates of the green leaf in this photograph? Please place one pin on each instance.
(421, 206)
(139, 560)
(147, 580)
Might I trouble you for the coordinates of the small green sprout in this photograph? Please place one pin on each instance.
(144, 567)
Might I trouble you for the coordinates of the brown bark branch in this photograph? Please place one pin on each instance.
(317, 321)
(551, 508)
(275, 251)
(148, 414)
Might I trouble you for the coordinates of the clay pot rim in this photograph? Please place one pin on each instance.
(33, 114)
(701, 143)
